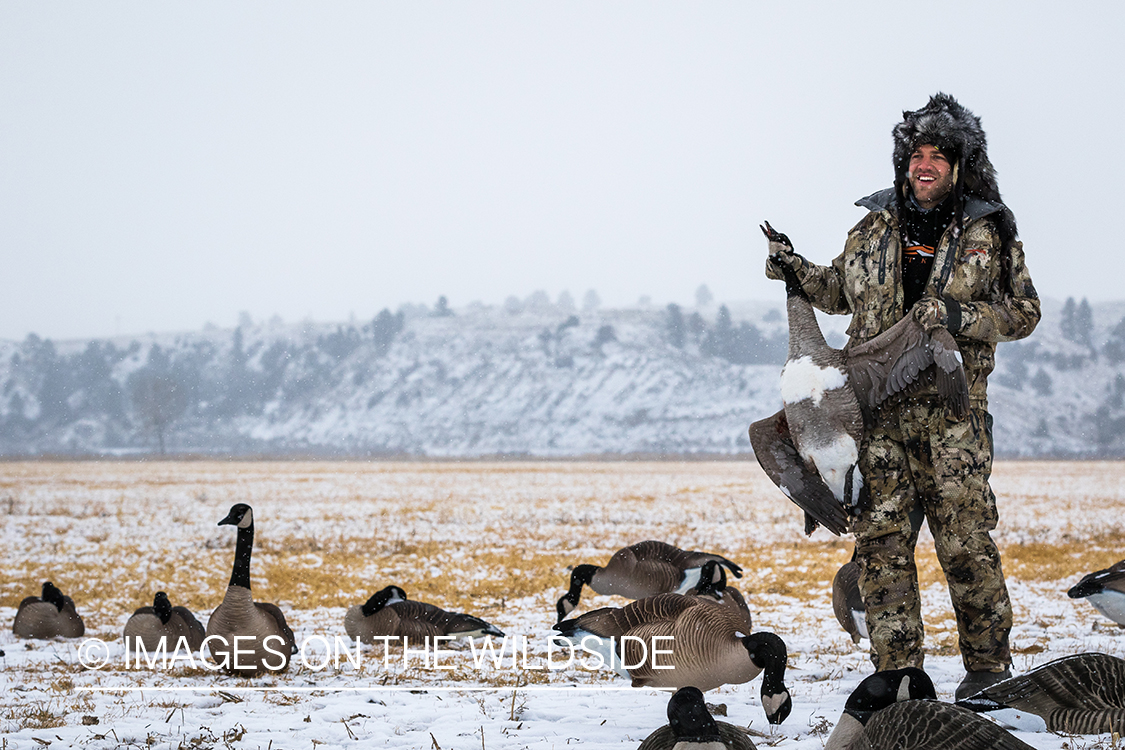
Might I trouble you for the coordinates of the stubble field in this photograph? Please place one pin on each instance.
(492, 539)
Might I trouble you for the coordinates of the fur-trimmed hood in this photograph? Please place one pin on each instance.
(957, 132)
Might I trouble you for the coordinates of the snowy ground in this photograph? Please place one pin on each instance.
(492, 539)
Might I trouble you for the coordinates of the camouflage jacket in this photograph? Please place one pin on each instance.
(998, 301)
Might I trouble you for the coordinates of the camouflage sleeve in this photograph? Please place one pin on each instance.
(823, 284)
(1013, 311)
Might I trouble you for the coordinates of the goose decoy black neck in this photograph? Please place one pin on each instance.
(242, 516)
(380, 599)
(161, 607)
(579, 577)
(52, 595)
(768, 652)
(881, 689)
(689, 718)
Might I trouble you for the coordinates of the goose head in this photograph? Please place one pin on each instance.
(241, 515)
(579, 577)
(161, 607)
(712, 580)
(874, 693)
(52, 595)
(769, 654)
(389, 595)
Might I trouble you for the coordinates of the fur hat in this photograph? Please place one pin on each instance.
(957, 133)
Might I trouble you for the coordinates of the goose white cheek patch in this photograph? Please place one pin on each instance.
(801, 379)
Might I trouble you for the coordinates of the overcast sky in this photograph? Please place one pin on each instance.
(164, 165)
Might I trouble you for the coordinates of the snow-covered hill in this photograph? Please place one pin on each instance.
(531, 379)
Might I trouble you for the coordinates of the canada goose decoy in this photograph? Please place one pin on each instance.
(1080, 694)
(713, 585)
(149, 625)
(641, 570)
(691, 727)
(898, 709)
(847, 602)
(810, 448)
(389, 613)
(48, 615)
(265, 640)
(1105, 590)
(701, 645)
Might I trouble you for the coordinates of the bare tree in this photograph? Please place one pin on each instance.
(158, 400)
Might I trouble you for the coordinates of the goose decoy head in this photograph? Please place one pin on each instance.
(768, 652)
(52, 595)
(579, 577)
(882, 689)
(241, 515)
(161, 607)
(712, 580)
(688, 715)
(380, 599)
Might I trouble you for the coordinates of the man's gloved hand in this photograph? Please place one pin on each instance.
(933, 313)
(780, 248)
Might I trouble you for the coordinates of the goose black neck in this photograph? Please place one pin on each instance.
(240, 574)
(768, 652)
(162, 608)
(793, 286)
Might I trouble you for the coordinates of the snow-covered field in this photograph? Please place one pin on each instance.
(494, 539)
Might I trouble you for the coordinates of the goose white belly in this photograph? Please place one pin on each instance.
(823, 414)
(1110, 603)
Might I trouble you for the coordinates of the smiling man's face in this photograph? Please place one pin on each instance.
(931, 176)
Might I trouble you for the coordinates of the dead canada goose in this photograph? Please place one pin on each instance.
(701, 645)
(898, 709)
(48, 615)
(691, 727)
(640, 570)
(265, 640)
(1080, 694)
(810, 448)
(1105, 589)
(389, 613)
(149, 625)
(847, 602)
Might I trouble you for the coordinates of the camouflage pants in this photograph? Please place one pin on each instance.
(918, 458)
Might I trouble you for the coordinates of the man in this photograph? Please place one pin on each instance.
(939, 245)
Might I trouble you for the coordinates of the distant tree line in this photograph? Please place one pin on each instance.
(741, 344)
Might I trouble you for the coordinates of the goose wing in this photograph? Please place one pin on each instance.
(617, 621)
(774, 449)
(278, 618)
(930, 725)
(893, 363)
(730, 736)
(1112, 578)
(1081, 694)
(682, 559)
(418, 620)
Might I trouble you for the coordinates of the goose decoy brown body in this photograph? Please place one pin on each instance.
(265, 641)
(149, 625)
(810, 448)
(847, 602)
(388, 613)
(1105, 590)
(897, 709)
(640, 570)
(1080, 694)
(701, 645)
(52, 614)
(691, 727)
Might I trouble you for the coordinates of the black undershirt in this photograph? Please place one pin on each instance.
(921, 232)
